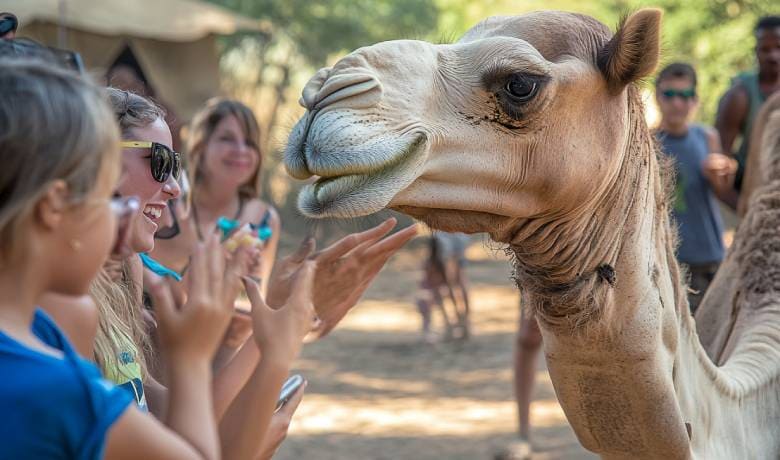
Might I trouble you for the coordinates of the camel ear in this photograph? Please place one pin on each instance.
(633, 52)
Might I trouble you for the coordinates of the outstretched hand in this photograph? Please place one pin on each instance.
(345, 269)
(279, 332)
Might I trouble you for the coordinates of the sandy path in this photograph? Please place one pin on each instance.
(375, 392)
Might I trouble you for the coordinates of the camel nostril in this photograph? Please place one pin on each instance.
(313, 87)
(362, 87)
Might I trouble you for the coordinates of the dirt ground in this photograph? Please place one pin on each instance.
(376, 392)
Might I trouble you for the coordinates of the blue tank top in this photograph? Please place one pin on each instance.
(53, 407)
(695, 209)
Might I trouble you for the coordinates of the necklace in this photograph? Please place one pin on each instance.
(197, 220)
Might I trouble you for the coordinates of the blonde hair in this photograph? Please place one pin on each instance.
(53, 126)
(203, 125)
(133, 111)
(119, 301)
(120, 322)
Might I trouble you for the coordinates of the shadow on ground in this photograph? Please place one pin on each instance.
(376, 392)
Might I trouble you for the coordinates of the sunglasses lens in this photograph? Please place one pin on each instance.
(162, 162)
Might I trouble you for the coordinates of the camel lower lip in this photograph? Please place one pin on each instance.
(353, 195)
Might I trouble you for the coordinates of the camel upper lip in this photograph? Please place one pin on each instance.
(335, 195)
(396, 160)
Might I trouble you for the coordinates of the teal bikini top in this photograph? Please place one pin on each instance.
(158, 268)
(226, 226)
(263, 229)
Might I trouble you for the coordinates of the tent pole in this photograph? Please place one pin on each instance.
(62, 39)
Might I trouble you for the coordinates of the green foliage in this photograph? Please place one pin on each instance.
(715, 36)
(320, 28)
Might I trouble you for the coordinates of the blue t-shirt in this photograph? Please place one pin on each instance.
(696, 209)
(53, 407)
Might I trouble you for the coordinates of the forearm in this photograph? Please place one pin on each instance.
(190, 411)
(234, 376)
(156, 397)
(246, 422)
(729, 197)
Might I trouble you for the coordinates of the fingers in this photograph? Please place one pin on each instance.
(350, 242)
(302, 284)
(162, 299)
(198, 271)
(216, 265)
(304, 250)
(254, 295)
(392, 243)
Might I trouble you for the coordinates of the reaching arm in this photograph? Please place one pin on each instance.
(720, 171)
(189, 336)
(270, 249)
(732, 113)
(279, 333)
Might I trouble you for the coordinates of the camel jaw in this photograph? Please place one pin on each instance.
(352, 195)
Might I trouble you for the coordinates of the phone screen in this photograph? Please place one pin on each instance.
(288, 389)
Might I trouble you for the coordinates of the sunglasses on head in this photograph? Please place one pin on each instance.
(164, 161)
(683, 94)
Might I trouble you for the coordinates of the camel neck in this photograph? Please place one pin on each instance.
(568, 260)
(607, 307)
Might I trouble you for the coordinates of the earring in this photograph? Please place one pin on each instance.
(75, 245)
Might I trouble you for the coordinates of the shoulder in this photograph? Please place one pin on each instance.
(709, 135)
(75, 318)
(735, 96)
(257, 209)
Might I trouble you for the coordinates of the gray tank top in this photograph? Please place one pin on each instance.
(696, 210)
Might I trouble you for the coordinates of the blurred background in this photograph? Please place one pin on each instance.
(263, 51)
(375, 391)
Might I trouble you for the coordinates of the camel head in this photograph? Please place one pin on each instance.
(523, 116)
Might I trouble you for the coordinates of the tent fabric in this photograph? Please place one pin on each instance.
(173, 40)
(166, 20)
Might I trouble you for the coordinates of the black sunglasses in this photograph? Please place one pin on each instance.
(8, 23)
(165, 162)
(683, 94)
(166, 233)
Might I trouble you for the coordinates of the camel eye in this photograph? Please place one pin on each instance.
(521, 89)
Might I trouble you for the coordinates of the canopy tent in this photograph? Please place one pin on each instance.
(172, 40)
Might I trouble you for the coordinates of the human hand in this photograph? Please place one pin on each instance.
(239, 330)
(192, 330)
(720, 170)
(345, 269)
(279, 333)
(280, 423)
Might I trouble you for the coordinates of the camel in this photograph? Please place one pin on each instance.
(531, 128)
(717, 322)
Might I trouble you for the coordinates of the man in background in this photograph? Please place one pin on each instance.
(740, 104)
(696, 210)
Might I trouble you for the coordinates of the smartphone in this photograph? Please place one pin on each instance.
(126, 210)
(288, 390)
